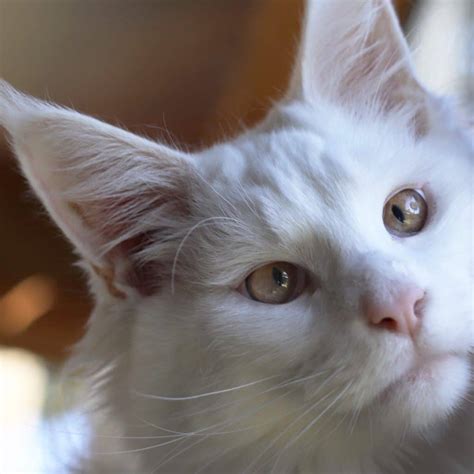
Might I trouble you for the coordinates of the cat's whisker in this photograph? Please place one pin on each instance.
(353, 421)
(205, 431)
(254, 396)
(138, 450)
(275, 440)
(313, 422)
(206, 221)
(355, 415)
(467, 398)
(103, 436)
(334, 429)
(404, 433)
(313, 440)
(214, 459)
(203, 395)
(161, 428)
(207, 434)
(177, 447)
(170, 458)
(298, 418)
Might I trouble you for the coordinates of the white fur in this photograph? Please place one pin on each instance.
(193, 376)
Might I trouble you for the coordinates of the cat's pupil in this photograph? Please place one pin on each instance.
(398, 213)
(280, 277)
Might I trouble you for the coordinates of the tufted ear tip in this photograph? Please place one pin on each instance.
(7, 103)
(354, 54)
(13, 106)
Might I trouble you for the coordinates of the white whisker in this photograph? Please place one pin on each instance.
(318, 402)
(242, 400)
(203, 395)
(310, 425)
(206, 221)
(170, 458)
(313, 422)
(138, 450)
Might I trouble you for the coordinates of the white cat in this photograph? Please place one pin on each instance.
(296, 300)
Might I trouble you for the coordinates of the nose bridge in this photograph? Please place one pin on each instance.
(388, 295)
(356, 273)
(379, 272)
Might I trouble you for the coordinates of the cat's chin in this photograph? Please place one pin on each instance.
(427, 393)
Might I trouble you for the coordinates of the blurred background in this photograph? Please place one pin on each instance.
(193, 71)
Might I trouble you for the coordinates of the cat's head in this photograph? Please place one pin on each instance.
(329, 248)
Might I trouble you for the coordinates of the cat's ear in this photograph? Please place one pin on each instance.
(353, 52)
(110, 191)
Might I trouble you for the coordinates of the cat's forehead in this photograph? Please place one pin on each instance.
(333, 149)
(301, 183)
(324, 150)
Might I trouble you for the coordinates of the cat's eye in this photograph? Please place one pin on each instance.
(276, 283)
(405, 213)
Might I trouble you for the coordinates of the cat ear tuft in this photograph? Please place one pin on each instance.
(353, 53)
(111, 192)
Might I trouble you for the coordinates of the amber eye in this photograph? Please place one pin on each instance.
(276, 283)
(405, 213)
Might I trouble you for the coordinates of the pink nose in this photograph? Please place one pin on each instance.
(397, 313)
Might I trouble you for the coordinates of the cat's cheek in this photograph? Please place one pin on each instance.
(427, 395)
(274, 336)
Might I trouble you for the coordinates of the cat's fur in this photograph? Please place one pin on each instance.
(189, 375)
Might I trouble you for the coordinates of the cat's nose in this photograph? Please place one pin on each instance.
(399, 313)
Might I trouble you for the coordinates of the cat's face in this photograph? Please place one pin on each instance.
(313, 194)
(316, 268)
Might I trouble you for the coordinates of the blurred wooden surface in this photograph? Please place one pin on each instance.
(195, 68)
